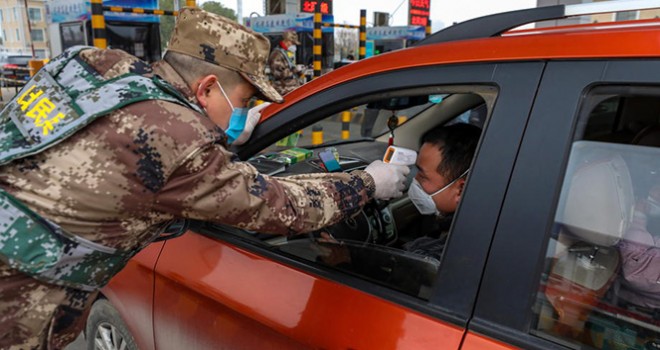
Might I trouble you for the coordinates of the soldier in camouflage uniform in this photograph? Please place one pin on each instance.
(116, 182)
(285, 75)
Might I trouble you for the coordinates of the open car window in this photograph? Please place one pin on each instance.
(387, 243)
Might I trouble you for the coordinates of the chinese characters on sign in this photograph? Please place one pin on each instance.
(398, 32)
(419, 13)
(301, 22)
(310, 6)
(41, 111)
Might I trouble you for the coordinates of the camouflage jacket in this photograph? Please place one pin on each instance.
(120, 179)
(283, 72)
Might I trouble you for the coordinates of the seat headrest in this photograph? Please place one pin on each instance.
(598, 200)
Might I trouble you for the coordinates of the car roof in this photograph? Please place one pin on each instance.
(628, 39)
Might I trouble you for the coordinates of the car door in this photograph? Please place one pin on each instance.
(131, 293)
(560, 274)
(224, 288)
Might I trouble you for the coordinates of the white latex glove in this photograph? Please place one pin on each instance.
(389, 179)
(253, 116)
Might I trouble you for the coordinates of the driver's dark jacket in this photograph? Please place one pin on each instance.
(120, 179)
(434, 237)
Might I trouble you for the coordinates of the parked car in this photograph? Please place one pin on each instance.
(536, 256)
(14, 70)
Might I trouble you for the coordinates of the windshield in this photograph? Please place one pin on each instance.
(368, 121)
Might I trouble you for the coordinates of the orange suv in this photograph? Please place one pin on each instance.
(553, 246)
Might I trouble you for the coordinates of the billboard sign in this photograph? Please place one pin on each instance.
(395, 33)
(273, 23)
(309, 6)
(61, 11)
(419, 12)
(67, 11)
(303, 22)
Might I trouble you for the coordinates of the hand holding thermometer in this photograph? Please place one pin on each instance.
(399, 156)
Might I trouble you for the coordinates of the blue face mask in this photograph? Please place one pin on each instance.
(236, 120)
(236, 124)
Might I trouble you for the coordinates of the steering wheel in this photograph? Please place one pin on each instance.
(367, 226)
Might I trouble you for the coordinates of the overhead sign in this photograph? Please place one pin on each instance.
(399, 32)
(419, 12)
(302, 22)
(67, 11)
(78, 10)
(273, 23)
(310, 6)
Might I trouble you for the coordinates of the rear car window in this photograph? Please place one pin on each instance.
(600, 287)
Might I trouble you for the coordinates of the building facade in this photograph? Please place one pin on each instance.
(19, 37)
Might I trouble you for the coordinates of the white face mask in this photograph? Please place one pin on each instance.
(424, 201)
(292, 48)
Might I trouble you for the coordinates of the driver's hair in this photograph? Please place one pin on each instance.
(191, 69)
(457, 144)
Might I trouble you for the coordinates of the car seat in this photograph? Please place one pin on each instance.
(634, 287)
(595, 211)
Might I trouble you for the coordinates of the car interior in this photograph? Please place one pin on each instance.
(600, 284)
(370, 244)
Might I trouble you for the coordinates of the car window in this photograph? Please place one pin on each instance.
(388, 243)
(600, 287)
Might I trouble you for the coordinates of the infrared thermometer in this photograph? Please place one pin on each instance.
(399, 156)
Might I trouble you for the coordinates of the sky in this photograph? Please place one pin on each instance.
(443, 12)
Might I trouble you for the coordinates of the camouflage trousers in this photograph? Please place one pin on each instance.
(38, 315)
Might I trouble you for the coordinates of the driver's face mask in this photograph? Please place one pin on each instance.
(424, 201)
(236, 120)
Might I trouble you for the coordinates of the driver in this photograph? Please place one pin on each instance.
(443, 164)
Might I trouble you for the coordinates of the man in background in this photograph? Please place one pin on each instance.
(285, 75)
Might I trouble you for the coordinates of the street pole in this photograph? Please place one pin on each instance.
(317, 49)
(27, 16)
(363, 35)
(98, 25)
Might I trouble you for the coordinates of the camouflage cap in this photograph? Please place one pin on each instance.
(221, 41)
(291, 36)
